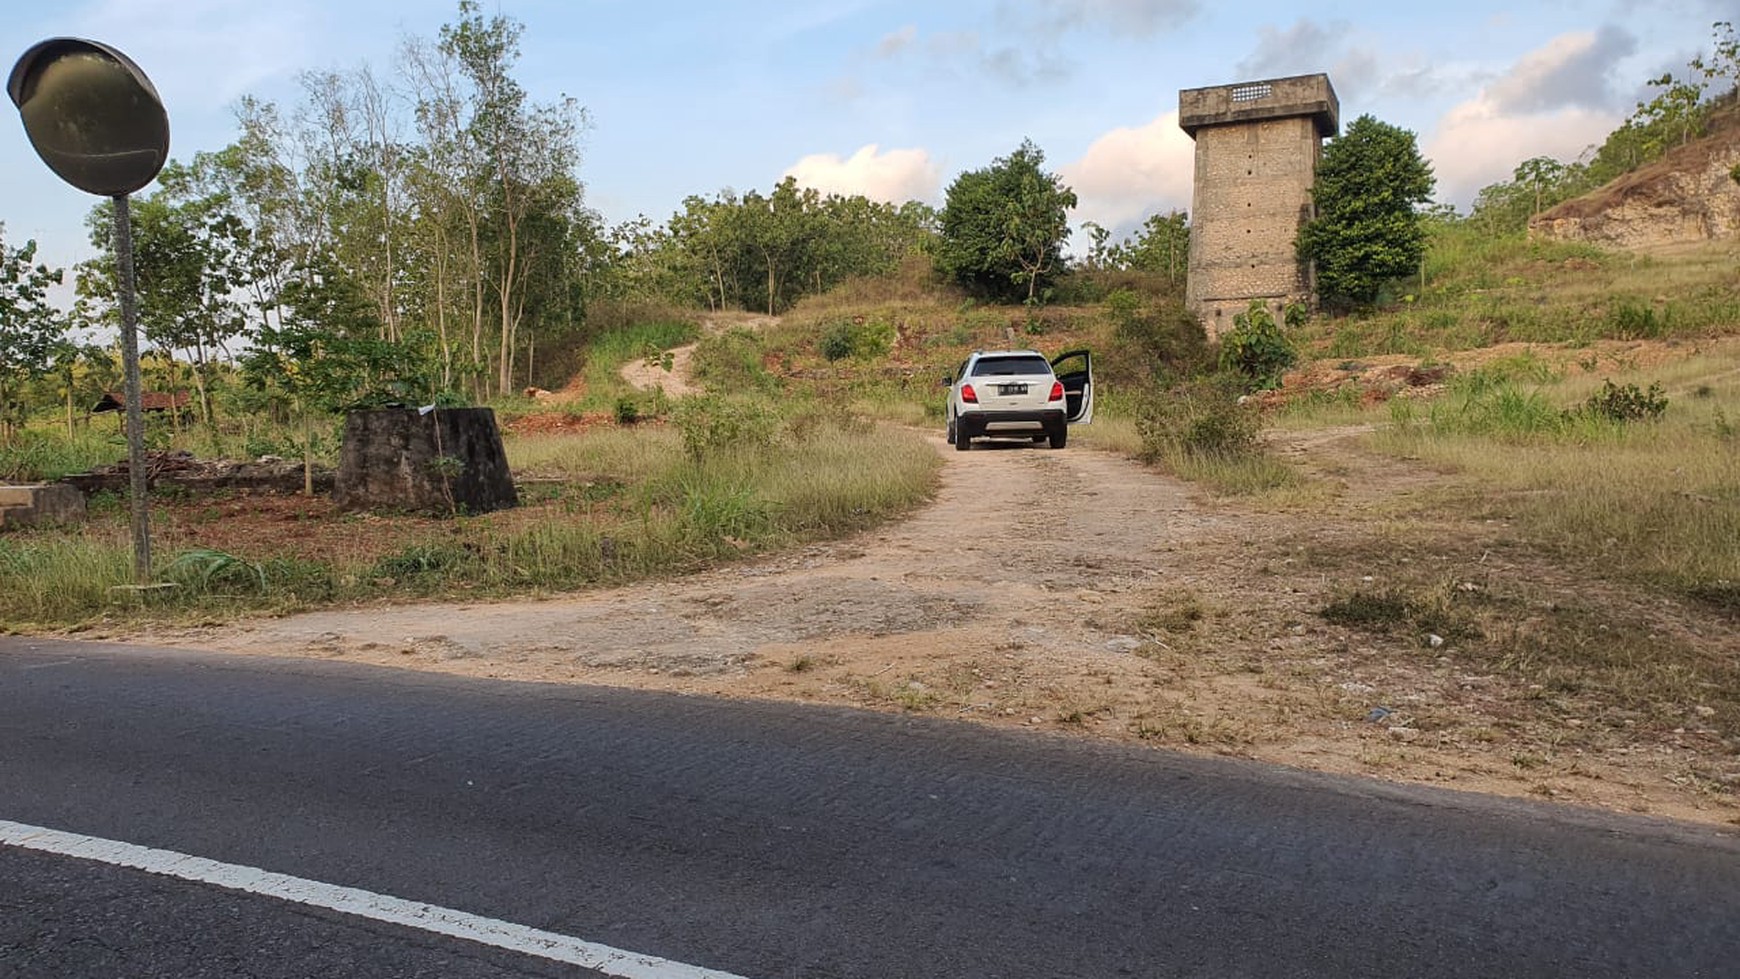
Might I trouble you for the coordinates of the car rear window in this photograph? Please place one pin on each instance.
(1005, 366)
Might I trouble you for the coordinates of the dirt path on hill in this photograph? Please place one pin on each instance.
(1073, 591)
(645, 375)
(676, 376)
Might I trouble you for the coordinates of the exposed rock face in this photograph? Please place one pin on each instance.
(1690, 196)
(449, 460)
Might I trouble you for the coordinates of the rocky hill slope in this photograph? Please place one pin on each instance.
(1689, 196)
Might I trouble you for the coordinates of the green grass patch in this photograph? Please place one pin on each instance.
(612, 505)
(43, 455)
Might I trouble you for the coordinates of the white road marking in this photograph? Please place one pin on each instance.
(350, 900)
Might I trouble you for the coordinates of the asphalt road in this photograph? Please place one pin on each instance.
(771, 840)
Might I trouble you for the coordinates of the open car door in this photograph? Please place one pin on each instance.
(1075, 370)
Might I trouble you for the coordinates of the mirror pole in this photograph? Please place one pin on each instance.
(138, 483)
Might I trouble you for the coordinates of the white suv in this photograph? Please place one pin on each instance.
(1019, 394)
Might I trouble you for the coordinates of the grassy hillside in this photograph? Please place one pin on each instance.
(1529, 370)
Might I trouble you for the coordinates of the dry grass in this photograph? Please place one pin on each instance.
(1651, 502)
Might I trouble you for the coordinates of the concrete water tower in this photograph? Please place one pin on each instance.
(1257, 145)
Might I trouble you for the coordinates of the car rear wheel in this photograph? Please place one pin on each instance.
(963, 441)
(1059, 437)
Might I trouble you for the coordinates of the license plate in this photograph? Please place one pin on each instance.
(1011, 389)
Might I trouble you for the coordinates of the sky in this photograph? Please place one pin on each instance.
(895, 98)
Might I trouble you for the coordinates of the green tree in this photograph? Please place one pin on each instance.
(1723, 65)
(1675, 116)
(1003, 226)
(30, 326)
(328, 355)
(1161, 246)
(1367, 230)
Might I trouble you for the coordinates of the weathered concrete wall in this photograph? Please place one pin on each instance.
(40, 503)
(1257, 146)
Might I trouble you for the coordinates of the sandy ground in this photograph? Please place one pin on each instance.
(1069, 591)
(675, 380)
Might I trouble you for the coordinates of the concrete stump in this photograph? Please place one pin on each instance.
(448, 461)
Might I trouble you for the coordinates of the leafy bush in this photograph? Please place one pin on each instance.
(837, 342)
(710, 424)
(1201, 417)
(1628, 403)
(1256, 348)
(858, 337)
(627, 410)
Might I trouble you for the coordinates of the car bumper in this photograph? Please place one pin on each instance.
(978, 423)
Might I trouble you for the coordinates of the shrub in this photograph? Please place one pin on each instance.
(627, 410)
(1163, 338)
(837, 342)
(1628, 403)
(1256, 348)
(1202, 417)
(713, 423)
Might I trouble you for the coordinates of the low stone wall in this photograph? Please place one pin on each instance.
(275, 476)
(40, 503)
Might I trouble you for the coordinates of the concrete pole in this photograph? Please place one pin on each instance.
(134, 392)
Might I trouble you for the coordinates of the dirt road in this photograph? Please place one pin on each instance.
(1072, 591)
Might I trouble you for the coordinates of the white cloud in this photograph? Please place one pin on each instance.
(1476, 144)
(896, 176)
(1131, 172)
(1532, 110)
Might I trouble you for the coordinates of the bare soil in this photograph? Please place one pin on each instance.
(674, 380)
(1079, 592)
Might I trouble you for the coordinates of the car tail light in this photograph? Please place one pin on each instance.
(969, 395)
(1056, 391)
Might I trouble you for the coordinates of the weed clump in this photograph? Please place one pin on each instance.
(627, 410)
(711, 424)
(732, 361)
(1424, 611)
(1627, 403)
(1202, 417)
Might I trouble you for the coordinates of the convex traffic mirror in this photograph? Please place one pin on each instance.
(91, 114)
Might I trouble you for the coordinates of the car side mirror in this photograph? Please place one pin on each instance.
(948, 380)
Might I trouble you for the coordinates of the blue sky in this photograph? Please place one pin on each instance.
(894, 98)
